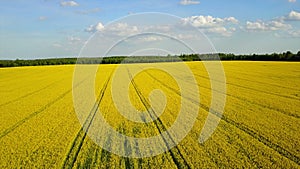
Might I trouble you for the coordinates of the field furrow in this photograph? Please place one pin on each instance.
(177, 156)
(19, 123)
(241, 97)
(72, 155)
(240, 126)
(29, 94)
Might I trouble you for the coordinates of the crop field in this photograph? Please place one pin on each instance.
(260, 126)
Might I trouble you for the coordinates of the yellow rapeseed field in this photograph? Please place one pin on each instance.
(260, 126)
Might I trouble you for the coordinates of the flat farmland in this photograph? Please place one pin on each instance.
(260, 126)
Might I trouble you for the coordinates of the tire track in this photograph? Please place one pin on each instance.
(252, 102)
(27, 72)
(38, 76)
(31, 93)
(266, 92)
(128, 151)
(237, 97)
(105, 155)
(19, 123)
(244, 129)
(256, 74)
(179, 162)
(253, 89)
(95, 157)
(260, 138)
(249, 88)
(76, 146)
(264, 83)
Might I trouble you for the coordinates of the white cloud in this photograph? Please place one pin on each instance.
(255, 25)
(208, 21)
(90, 29)
(267, 26)
(288, 34)
(185, 36)
(119, 29)
(151, 38)
(278, 25)
(94, 28)
(69, 3)
(232, 20)
(294, 34)
(74, 40)
(189, 2)
(292, 1)
(57, 45)
(202, 21)
(160, 28)
(232, 29)
(220, 30)
(42, 18)
(293, 15)
(99, 27)
(122, 29)
(211, 24)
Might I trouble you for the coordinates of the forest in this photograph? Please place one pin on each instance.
(285, 56)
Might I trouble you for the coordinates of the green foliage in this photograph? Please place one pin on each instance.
(37, 62)
(285, 56)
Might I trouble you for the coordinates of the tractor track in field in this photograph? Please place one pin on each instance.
(31, 93)
(19, 123)
(179, 162)
(76, 146)
(28, 73)
(37, 80)
(239, 98)
(265, 92)
(246, 130)
(95, 157)
(252, 102)
(257, 75)
(101, 154)
(250, 88)
(128, 151)
(253, 89)
(263, 83)
(105, 155)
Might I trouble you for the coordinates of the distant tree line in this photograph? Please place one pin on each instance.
(37, 62)
(285, 56)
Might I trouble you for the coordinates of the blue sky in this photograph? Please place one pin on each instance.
(59, 28)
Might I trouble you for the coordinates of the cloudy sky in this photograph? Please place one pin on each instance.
(59, 28)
